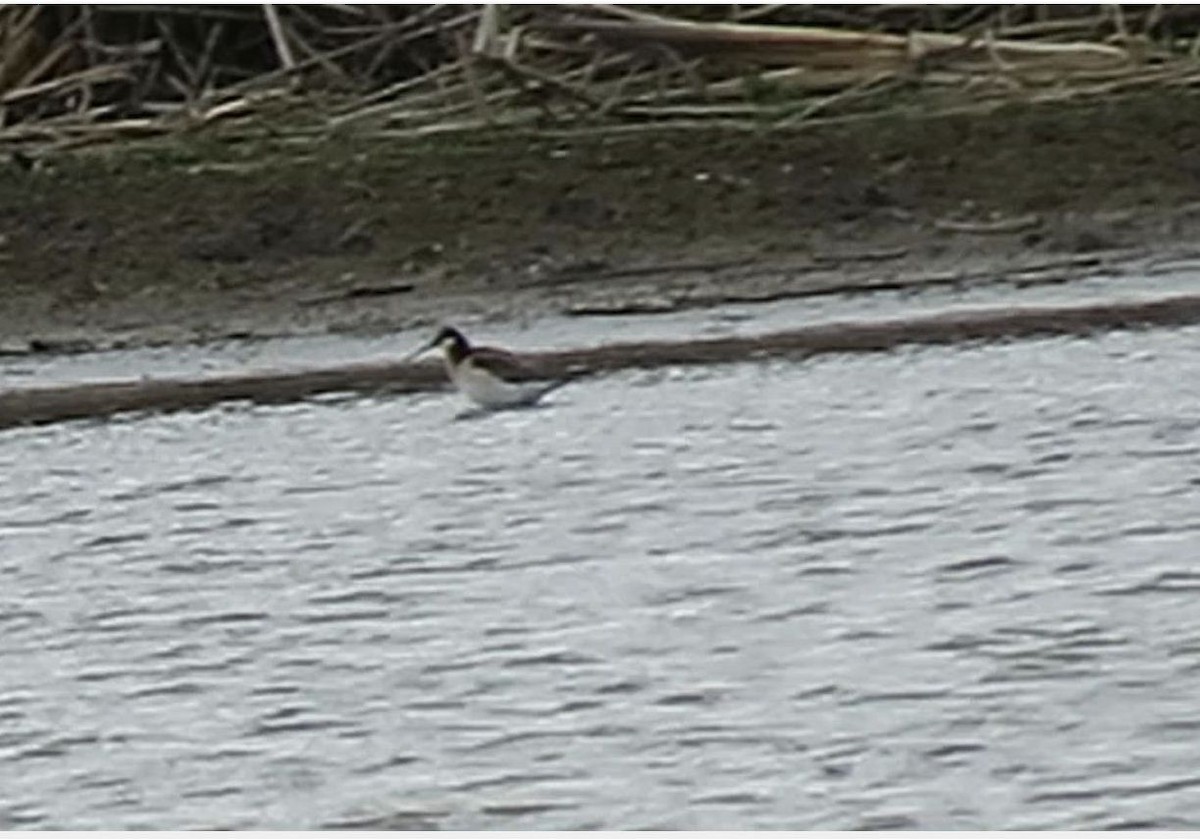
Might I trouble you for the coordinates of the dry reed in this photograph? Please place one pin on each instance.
(75, 75)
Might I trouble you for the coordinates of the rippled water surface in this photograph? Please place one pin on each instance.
(940, 588)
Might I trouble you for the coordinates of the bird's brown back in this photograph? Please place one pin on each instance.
(504, 364)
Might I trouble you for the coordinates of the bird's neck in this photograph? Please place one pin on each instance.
(456, 351)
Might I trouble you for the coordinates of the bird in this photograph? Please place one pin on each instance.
(488, 376)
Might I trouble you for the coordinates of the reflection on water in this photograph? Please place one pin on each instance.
(943, 588)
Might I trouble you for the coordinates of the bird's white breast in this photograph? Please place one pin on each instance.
(491, 391)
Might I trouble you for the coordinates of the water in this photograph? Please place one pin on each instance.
(937, 588)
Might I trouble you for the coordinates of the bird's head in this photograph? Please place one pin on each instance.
(449, 339)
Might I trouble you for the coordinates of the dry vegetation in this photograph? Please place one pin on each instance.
(78, 75)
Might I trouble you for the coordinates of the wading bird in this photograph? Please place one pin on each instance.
(488, 376)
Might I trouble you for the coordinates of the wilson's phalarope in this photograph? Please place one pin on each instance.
(490, 377)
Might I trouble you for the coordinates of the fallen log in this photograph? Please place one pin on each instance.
(48, 404)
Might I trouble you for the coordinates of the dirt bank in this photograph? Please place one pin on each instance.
(205, 237)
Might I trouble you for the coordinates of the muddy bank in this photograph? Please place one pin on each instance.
(206, 236)
(43, 405)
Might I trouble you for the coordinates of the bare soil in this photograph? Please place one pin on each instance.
(204, 237)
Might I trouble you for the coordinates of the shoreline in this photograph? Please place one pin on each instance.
(49, 404)
(188, 240)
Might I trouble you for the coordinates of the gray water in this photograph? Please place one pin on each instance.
(937, 588)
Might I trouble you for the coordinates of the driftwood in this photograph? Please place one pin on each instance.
(1012, 224)
(42, 405)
